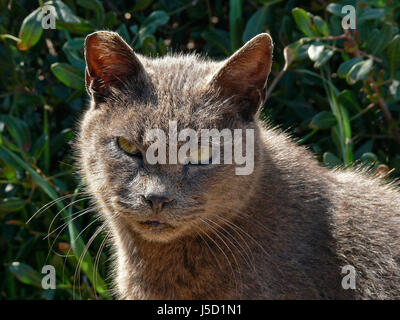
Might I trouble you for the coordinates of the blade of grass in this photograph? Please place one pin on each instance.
(47, 143)
(235, 23)
(340, 112)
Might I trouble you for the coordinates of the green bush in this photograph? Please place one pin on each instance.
(336, 91)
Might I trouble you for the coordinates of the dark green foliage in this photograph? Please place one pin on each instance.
(337, 91)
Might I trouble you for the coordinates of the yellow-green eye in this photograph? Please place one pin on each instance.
(128, 147)
(201, 155)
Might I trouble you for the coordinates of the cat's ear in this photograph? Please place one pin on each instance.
(246, 72)
(109, 60)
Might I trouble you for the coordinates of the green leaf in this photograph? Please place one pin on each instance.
(347, 99)
(149, 45)
(43, 184)
(303, 21)
(19, 131)
(63, 12)
(161, 47)
(26, 274)
(123, 32)
(156, 19)
(369, 157)
(373, 38)
(365, 147)
(235, 23)
(372, 14)
(48, 294)
(331, 160)
(31, 30)
(39, 145)
(110, 20)
(9, 160)
(345, 66)
(256, 23)
(142, 5)
(69, 75)
(384, 39)
(393, 54)
(67, 20)
(219, 39)
(295, 51)
(10, 173)
(73, 49)
(364, 29)
(151, 23)
(321, 25)
(341, 133)
(96, 6)
(394, 89)
(359, 71)
(74, 45)
(12, 204)
(335, 9)
(323, 120)
(324, 58)
(78, 28)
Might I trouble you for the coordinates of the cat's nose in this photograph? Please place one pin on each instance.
(157, 202)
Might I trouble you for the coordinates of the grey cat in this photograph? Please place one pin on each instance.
(178, 231)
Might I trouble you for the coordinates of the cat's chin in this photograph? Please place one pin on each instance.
(155, 230)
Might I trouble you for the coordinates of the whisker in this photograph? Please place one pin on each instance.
(219, 229)
(247, 234)
(81, 258)
(230, 250)
(51, 203)
(59, 212)
(250, 219)
(241, 215)
(96, 261)
(74, 216)
(209, 248)
(228, 224)
(80, 233)
(64, 226)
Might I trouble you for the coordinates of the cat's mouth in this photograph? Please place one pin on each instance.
(155, 223)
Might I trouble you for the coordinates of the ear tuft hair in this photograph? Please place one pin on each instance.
(245, 73)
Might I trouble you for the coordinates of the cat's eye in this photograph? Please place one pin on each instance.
(128, 146)
(201, 156)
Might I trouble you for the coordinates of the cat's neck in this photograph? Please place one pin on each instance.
(191, 267)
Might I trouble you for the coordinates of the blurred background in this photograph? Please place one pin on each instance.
(336, 91)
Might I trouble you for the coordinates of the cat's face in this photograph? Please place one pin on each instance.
(132, 94)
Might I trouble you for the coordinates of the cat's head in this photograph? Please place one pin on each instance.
(132, 94)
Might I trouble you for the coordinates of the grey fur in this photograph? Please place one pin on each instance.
(283, 232)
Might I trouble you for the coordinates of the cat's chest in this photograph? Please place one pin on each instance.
(186, 274)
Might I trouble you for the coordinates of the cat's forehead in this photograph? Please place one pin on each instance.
(179, 80)
(138, 121)
(179, 71)
(177, 87)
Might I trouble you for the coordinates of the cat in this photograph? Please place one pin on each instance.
(289, 230)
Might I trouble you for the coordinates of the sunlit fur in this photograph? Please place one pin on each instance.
(282, 232)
